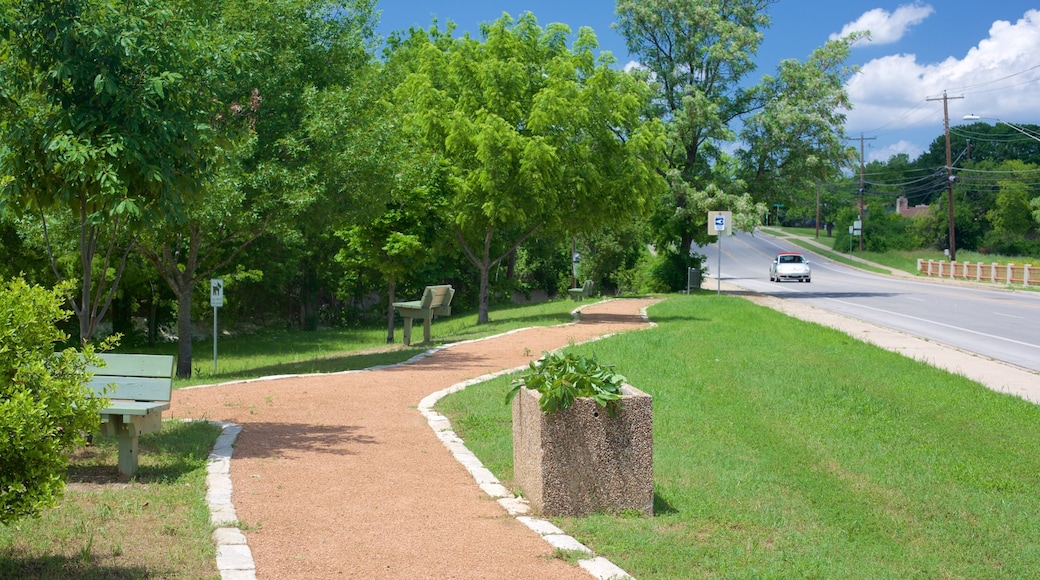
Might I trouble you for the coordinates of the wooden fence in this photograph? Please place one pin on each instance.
(1009, 274)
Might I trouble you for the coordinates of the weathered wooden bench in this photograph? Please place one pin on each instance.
(436, 300)
(138, 388)
(583, 292)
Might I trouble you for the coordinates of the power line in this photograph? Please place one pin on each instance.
(994, 81)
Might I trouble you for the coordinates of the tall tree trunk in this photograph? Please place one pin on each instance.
(309, 297)
(485, 292)
(184, 330)
(87, 247)
(484, 263)
(391, 294)
(153, 313)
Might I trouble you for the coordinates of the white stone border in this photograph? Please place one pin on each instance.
(235, 559)
(601, 568)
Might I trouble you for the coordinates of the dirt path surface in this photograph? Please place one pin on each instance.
(341, 476)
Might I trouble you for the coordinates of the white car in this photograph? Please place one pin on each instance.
(790, 266)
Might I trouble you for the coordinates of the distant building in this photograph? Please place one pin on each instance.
(904, 209)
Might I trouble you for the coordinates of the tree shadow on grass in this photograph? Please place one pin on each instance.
(15, 567)
(178, 449)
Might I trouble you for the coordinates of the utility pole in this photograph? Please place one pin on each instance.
(817, 209)
(862, 186)
(949, 168)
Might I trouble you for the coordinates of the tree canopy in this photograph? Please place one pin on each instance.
(108, 115)
(700, 57)
(533, 135)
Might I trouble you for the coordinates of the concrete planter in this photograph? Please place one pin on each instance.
(581, 460)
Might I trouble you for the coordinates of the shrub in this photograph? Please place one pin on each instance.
(563, 378)
(668, 271)
(1009, 244)
(45, 409)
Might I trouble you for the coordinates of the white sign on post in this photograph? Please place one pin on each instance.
(719, 221)
(216, 300)
(719, 224)
(216, 293)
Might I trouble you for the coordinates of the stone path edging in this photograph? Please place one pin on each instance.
(601, 568)
(235, 559)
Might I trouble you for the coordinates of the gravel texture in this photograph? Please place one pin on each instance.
(341, 476)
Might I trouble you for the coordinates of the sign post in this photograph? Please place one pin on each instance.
(719, 224)
(575, 260)
(856, 229)
(216, 300)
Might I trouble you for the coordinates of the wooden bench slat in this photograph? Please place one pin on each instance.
(133, 408)
(133, 388)
(135, 365)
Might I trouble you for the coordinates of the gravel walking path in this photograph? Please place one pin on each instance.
(341, 476)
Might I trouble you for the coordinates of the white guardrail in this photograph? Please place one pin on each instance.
(1009, 274)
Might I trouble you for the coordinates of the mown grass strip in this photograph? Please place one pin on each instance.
(155, 526)
(786, 449)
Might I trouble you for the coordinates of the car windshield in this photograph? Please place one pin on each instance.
(790, 259)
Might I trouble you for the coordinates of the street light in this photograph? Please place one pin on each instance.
(1012, 125)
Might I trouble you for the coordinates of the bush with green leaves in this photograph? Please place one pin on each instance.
(560, 379)
(45, 409)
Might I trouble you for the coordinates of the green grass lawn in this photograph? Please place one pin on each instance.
(782, 449)
(785, 449)
(155, 526)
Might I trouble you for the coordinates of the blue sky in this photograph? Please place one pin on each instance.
(986, 51)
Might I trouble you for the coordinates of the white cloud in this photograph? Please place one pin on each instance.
(998, 77)
(886, 27)
(912, 151)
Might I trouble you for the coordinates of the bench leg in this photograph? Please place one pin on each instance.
(426, 329)
(407, 331)
(127, 452)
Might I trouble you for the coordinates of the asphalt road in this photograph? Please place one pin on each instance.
(980, 318)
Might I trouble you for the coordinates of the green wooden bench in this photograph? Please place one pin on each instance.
(138, 388)
(583, 292)
(436, 300)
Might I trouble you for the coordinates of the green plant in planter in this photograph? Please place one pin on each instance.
(560, 379)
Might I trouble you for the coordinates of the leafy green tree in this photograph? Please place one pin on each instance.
(985, 141)
(45, 410)
(399, 244)
(106, 123)
(609, 255)
(534, 136)
(969, 223)
(320, 140)
(794, 141)
(1011, 212)
(698, 55)
(284, 164)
